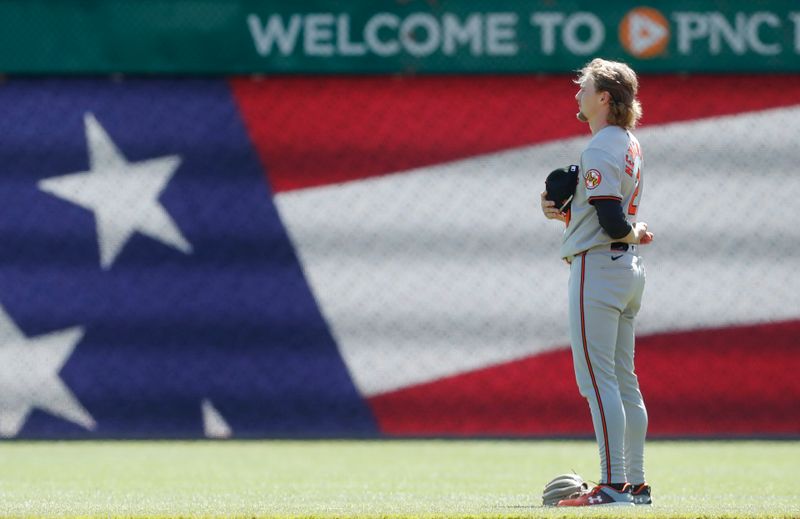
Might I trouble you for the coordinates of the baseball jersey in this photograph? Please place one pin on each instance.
(611, 168)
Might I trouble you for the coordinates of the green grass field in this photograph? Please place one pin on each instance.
(380, 479)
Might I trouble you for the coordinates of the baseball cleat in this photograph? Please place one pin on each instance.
(602, 495)
(641, 494)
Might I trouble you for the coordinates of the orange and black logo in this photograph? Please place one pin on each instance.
(592, 179)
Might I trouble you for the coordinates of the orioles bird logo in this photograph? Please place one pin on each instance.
(593, 178)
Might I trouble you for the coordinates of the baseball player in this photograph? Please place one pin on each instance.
(601, 243)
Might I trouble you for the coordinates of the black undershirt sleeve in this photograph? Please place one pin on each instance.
(612, 218)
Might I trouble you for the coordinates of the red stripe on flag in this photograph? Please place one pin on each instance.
(312, 131)
(731, 381)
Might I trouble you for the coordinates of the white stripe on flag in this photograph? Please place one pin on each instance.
(451, 268)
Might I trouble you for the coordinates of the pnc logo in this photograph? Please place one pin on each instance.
(644, 32)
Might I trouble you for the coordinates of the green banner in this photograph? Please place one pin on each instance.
(381, 36)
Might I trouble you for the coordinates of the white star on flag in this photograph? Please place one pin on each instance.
(123, 195)
(214, 425)
(29, 377)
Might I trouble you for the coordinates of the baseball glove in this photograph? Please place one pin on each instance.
(565, 486)
(560, 186)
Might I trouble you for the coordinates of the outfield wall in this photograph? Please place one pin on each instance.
(364, 256)
(344, 239)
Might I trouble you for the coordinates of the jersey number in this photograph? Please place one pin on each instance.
(634, 205)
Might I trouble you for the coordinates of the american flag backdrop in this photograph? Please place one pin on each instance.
(365, 256)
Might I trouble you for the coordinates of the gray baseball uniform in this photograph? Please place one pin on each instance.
(605, 292)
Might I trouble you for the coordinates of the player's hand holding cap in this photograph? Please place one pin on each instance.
(560, 186)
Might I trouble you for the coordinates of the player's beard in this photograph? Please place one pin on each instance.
(582, 118)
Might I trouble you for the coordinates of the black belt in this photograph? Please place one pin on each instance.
(618, 245)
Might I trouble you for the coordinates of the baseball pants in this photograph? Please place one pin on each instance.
(605, 293)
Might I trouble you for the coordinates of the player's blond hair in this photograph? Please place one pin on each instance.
(621, 83)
